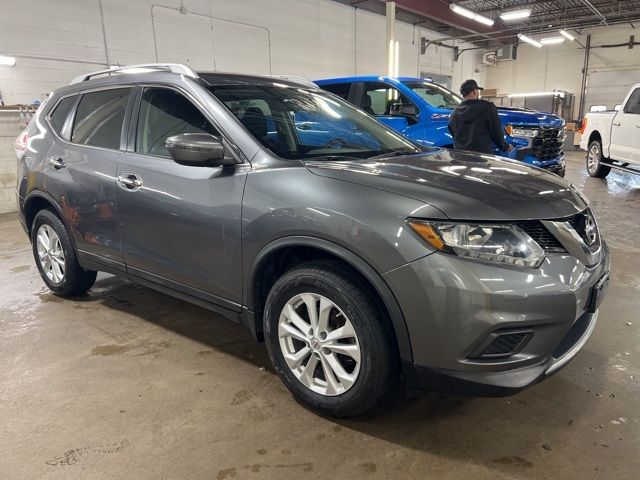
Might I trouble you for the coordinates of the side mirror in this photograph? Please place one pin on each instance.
(404, 109)
(197, 150)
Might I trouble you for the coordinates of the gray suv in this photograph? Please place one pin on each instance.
(359, 257)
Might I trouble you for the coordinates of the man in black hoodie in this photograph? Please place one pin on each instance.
(474, 123)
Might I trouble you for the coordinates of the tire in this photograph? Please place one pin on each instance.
(73, 280)
(369, 379)
(594, 158)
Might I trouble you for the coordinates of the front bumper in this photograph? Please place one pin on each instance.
(452, 305)
(497, 384)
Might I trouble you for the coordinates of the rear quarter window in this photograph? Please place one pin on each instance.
(339, 89)
(60, 112)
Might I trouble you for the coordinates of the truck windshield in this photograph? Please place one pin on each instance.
(298, 123)
(434, 95)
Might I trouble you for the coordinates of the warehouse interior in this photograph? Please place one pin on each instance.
(126, 381)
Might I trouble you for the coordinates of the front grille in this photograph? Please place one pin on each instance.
(503, 343)
(579, 224)
(548, 144)
(539, 233)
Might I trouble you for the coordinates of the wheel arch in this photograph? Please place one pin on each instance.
(276, 257)
(595, 135)
(38, 200)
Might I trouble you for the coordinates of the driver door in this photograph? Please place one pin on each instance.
(180, 224)
(380, 99)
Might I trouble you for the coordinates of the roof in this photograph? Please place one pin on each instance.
(218, 79)
(371, 78)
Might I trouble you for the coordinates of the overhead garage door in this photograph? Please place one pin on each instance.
(609, 87)
(211, 43)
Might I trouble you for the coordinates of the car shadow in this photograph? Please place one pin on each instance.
(505, 434)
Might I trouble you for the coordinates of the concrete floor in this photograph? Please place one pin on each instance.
(128, 383)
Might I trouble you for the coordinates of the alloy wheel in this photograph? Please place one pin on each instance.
(50, 253)
(593, 157)
(319, 344)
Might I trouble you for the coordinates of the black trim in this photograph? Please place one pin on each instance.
(480, 384)
(49, 199)
(232, 315)
(356, 262)
(187, 290)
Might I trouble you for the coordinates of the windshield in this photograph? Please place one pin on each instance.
(434, 95)
(298, 123)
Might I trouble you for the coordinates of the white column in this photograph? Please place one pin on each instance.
(392, 47)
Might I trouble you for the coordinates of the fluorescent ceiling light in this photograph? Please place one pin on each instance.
(462, 11)
(469, 14)
(551, 40)
(567, 35)
(7, 61)
(485, 20)
(518, 14)
(535, 94)
(531, 41)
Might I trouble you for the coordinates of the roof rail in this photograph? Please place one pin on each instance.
(171, 67)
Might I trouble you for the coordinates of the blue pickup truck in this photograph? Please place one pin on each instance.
(420, 109)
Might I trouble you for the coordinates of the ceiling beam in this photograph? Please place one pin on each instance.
(440, 11)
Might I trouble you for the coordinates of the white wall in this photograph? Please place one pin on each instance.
(55, 40)
(560, 66)
(312, 38)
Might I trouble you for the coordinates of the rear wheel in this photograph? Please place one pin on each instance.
(328, 340)
(595, 168)
(56, 258)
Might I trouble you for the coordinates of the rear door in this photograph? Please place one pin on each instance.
(625, 130)
(180, 224)
(80, 169)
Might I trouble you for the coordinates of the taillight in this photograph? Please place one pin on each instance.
(20, 146)
(583, 125)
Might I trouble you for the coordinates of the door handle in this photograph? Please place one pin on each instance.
(57, 163)
(617, 124)
(130, 181)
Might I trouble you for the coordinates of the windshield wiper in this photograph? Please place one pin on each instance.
(397, 153)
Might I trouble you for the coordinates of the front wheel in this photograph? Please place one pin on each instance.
(328, 340)
(595, 168)
(56, 258)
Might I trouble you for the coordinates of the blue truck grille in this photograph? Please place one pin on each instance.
(548, 144)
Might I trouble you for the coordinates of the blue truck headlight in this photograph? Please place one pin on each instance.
(521, 132)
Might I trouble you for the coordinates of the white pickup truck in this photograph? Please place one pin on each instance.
(612, 138)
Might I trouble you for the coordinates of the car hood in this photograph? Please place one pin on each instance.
(521, 116)
(463, 185)
(510, 115)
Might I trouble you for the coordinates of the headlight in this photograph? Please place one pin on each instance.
(521, 131)
(502, 243)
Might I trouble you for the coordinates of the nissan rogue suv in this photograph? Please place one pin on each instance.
(361, 258)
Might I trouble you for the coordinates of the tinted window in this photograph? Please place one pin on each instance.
(435, 95)
(164, 113)
(60, 113)
(340, 89)
(99, 118)
(633, 104)
(378, 98)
